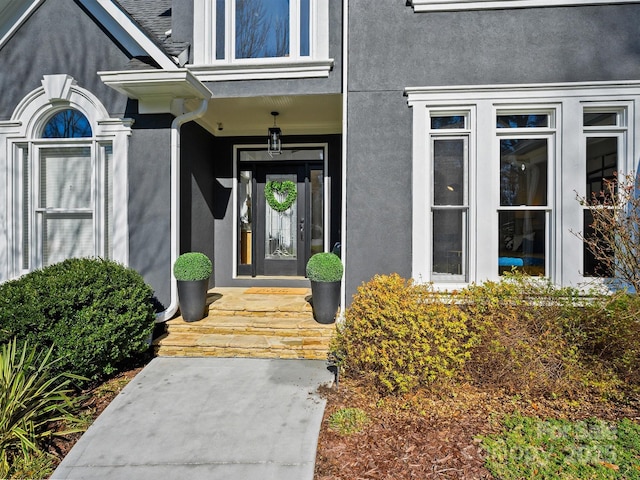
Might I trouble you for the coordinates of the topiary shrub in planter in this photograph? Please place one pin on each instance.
(97, 313)
(325, 270)
(192, 271)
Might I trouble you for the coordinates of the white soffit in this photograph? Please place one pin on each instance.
(251, 116)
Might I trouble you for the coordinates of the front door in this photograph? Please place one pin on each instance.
(280, 220)
(281, 213)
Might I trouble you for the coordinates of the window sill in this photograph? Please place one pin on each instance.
(263, 71)
(450, 5)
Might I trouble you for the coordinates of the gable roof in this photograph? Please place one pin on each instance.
(154, 18)
(140, 26)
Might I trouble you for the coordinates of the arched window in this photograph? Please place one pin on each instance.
(68, 123)
(68, 191)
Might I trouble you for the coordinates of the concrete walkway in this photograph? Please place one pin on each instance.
(207, 418)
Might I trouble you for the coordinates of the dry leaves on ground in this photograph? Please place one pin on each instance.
(430, 435)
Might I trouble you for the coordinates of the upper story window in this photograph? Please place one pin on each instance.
(445, 5)
(245, 39)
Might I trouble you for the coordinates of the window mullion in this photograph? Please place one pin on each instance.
(294, 29)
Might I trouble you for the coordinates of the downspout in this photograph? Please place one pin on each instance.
(175, 201)
(345, 103)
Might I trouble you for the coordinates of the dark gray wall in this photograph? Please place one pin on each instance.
(150, 201)
(196, 190)
(223, 203)
(392, 47)
(60, 37)
(182, 18)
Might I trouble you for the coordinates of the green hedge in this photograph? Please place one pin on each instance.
(97, 313)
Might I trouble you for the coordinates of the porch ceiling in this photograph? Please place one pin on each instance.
(298, 115)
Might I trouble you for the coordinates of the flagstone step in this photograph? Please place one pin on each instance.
(285, 327)
(261, 346)
(249, 325)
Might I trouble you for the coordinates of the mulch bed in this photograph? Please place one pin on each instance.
(432, 435)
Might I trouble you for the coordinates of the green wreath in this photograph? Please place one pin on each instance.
(285, 187)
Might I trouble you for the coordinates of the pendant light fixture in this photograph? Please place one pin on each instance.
(274, 143)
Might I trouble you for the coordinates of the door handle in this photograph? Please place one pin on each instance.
(302, 229)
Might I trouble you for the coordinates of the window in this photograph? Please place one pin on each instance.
(525, 151)
(240, 39)
(497, 172)
(604, 133)
(61, 176)
(444, 5)
(449, 208)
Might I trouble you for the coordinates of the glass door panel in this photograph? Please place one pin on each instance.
(281, 223)
(280, 230)
(317, 210)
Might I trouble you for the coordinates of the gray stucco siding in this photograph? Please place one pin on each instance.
(378, 222)
(150, 203)
(197, 191)
(59, 38)
(392, 47)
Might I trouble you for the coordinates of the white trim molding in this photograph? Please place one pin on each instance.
(452, 5)
(156, 89)
(271, 70)
(21, 135)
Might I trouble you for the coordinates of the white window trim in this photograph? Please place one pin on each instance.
(483, 101)
(56, 93)
(452, 5)
(207, 68)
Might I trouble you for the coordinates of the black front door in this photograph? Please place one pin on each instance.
(280, 220)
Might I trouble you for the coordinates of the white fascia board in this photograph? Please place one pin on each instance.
(125, 31)
(156, 89)
(14, 14)
(452, 5)
(463, 93)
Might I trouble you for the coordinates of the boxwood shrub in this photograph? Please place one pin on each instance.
(97, 313)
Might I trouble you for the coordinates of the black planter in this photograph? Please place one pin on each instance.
(193, 299)
(325, 299)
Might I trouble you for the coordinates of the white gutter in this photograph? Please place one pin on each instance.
(175, 202)
(345, 103)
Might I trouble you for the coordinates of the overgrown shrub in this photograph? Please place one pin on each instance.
(526, 339)
(609, 335)
(97, 313)
(31, 397)
(521, 334)
(400, 335)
